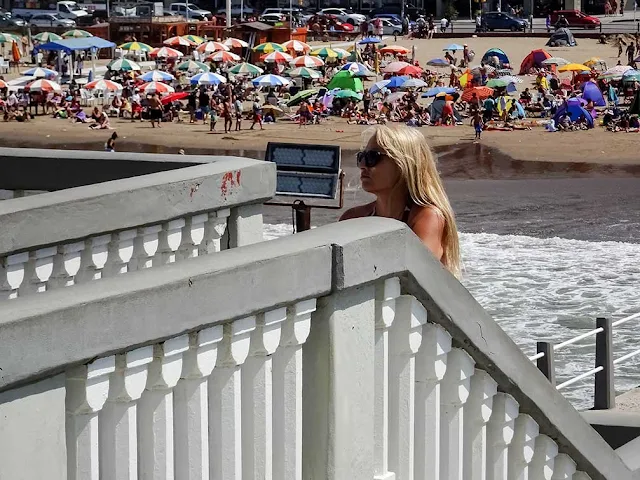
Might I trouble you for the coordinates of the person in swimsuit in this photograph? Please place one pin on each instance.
(155, 110)
(399, 168)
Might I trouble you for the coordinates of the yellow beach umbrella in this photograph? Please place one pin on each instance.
(325, 53)
(592, 61)
(574, 67)
(269, 47)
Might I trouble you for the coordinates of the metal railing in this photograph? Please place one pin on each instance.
(604, 369)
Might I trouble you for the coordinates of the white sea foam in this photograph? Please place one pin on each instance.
(553, 289)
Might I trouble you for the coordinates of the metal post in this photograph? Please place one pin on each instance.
(303, 216)
(547, 364)
(604, 393)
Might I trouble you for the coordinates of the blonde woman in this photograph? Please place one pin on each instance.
(398, 167)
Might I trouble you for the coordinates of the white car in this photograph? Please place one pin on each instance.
(388, 27)
(51, 20)
(344, 15)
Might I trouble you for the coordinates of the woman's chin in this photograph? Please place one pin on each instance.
(366, 185)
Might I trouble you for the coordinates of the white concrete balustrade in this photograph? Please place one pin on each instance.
(112, 254)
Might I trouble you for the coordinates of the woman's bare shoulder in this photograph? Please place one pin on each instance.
(358, 212)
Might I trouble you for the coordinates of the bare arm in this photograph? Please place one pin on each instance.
(428, 224)
(357, 212)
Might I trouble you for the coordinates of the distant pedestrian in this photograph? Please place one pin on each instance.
(110, 145)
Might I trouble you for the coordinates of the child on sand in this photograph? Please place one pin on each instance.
(476, 120)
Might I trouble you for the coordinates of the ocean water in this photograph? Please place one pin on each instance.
(552, 289)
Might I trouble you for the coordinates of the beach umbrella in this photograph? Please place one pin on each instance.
(395, 49)
(345, 80)
(136, 47)
(432, 92)
(77, 34)
(631, 76)
(193, 66)
(324, 53)
(277, 57)
(10, 38)
(208, 78)
(103, 85)
(497, 83)
(123, 64)
(235, 43)
(348, 94)
(395, 67)
(481, 93)
(410, 70)
(166, 52)
(394, 97)
(270, 81)
(358, 69)
(414, 83)
(378, 86)
(179, 42)
(246, 69)
(156, 87)
(194, 38)
(396, 82)
(296, 46)
(555, 61)
(342, 53)
(453, 47)
(487, 68)
(304, 72)
(573, 67)
(307, 61)
(368, 40)
(618, 69)
(157, 76)
(172, 97)
(268, 47)
(303, 95)
(44, 85)
(438, 62)
(40, 72)
(511, 79)
(43, 37)
(210, 47)
(223, 56)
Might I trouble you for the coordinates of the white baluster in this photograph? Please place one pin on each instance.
(171, 239)
(66, 265)
(146, 246)
(14, 273)
(541, 467)
(405, 337)
(581, 476)
(386, 294)
(257, 397)
(155, 415)
(193, 235)
(95, 256)
(499, 435)
(287, 392)
(87, 390)
(522, 447)
(563, 467)
(477, 412)
(119, 417)
(431, 366)
(43, 268)
(215, 230)
(121, 251)
(225, 460)
(191, 405)
(455, 392)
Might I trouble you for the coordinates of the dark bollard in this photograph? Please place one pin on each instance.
(604, 391)
(547, 364)
(303, 216)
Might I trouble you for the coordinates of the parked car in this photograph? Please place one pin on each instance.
(503, 21)
(389, 27)
(191, 11)
(273, 18)
(576, 19)
(344, 15)
(51, 20)
(8, 21)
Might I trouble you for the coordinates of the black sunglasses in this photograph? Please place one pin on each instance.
(368, 158)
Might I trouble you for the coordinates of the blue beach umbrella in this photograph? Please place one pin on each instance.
(396, 82)
(358, 69)
(207, 78)
(453, 47)
(438, 62)
(39, 72)
(270, 81)
(157, 76)
(378, 86)
(367, 40)
(432, 92)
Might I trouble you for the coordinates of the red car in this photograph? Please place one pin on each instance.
(576, 19)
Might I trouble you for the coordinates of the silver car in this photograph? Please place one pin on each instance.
(51, 20)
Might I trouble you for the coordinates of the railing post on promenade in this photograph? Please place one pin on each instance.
(604, 394)
(547, 364)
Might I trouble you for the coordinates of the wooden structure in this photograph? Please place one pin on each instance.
(256, 33)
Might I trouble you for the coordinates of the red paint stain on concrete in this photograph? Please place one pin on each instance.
(230, 180)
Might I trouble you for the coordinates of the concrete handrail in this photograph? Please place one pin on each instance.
(78, 213)
(38, 337)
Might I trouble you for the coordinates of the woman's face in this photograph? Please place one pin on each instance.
(383, 176)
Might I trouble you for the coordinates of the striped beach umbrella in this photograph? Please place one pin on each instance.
(558, 61)
(44, 85)
(76, 33)
(235, 43)
(307, 61)
(358, 69)
(270, 81)
(510, 79)
(194, 38)
(193, 66)
(10, 38)
(156, 87)
(179, 42)
(103, 85)
(268, 47)
(296, 46)
(246, 69)
(223, 57)
(304, 72)
(136, 47)
(207, 78)
(276, 57)
(123, 64)
(39, 72)
(47, 37)
(211, 47)
(165, 52)
(342, 53)
(325, 53)
(157, 76)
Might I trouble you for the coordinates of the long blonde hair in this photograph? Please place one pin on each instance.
(408, 148)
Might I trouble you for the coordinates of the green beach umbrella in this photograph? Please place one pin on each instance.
(77, 34)
(123, 64)
(497, 83)
(345, 80)
(193, 66)
(136, 47)
(246, 69)
(325, 53)
(298, 97)
(348, 94)
(304, 72)
(194, 38)
(269, 47)
(9, 38)
(47, 37)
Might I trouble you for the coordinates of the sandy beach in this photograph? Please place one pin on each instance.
(594, 146)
